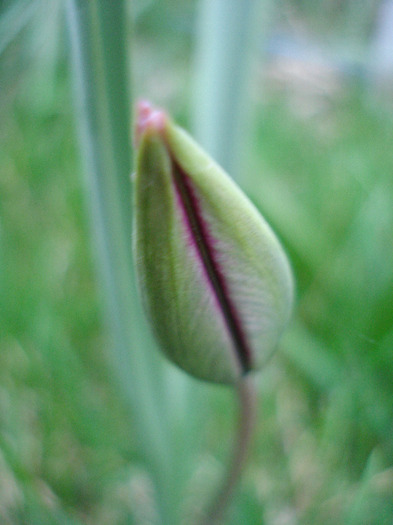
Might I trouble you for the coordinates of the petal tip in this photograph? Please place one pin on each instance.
(148, 118)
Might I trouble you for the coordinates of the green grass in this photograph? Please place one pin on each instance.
(329, 194)
(64, 431)
(323, 452)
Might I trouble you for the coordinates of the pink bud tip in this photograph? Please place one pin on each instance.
(148, 118)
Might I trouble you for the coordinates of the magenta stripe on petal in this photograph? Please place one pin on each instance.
(202, 240)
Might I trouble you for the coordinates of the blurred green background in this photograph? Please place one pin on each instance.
(317, 162)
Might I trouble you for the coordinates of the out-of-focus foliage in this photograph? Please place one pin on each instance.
(348, 19)
(326, 184)
(63, 431)
(320, 169)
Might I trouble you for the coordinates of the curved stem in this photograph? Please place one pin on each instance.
(247, 416)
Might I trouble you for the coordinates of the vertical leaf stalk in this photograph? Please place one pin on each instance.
(224, 37)
(98, 34)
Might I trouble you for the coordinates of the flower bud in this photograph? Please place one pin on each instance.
(214, 280)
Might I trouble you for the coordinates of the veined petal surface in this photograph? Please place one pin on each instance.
(214, 279)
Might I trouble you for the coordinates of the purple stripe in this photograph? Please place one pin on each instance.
(204, 243)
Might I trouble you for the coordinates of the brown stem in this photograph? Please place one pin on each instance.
(247, 416)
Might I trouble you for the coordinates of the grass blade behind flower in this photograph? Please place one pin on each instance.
(98, 33)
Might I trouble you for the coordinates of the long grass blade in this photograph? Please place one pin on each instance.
(224, 37)
(98, 33)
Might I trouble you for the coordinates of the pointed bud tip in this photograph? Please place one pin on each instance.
(148, 118)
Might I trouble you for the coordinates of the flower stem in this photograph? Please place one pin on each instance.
(247, 416)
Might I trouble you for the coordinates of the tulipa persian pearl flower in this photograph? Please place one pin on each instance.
(215, 282)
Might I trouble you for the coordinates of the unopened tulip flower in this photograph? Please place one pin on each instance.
(214, 279)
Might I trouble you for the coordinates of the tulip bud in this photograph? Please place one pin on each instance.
(214, 280)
